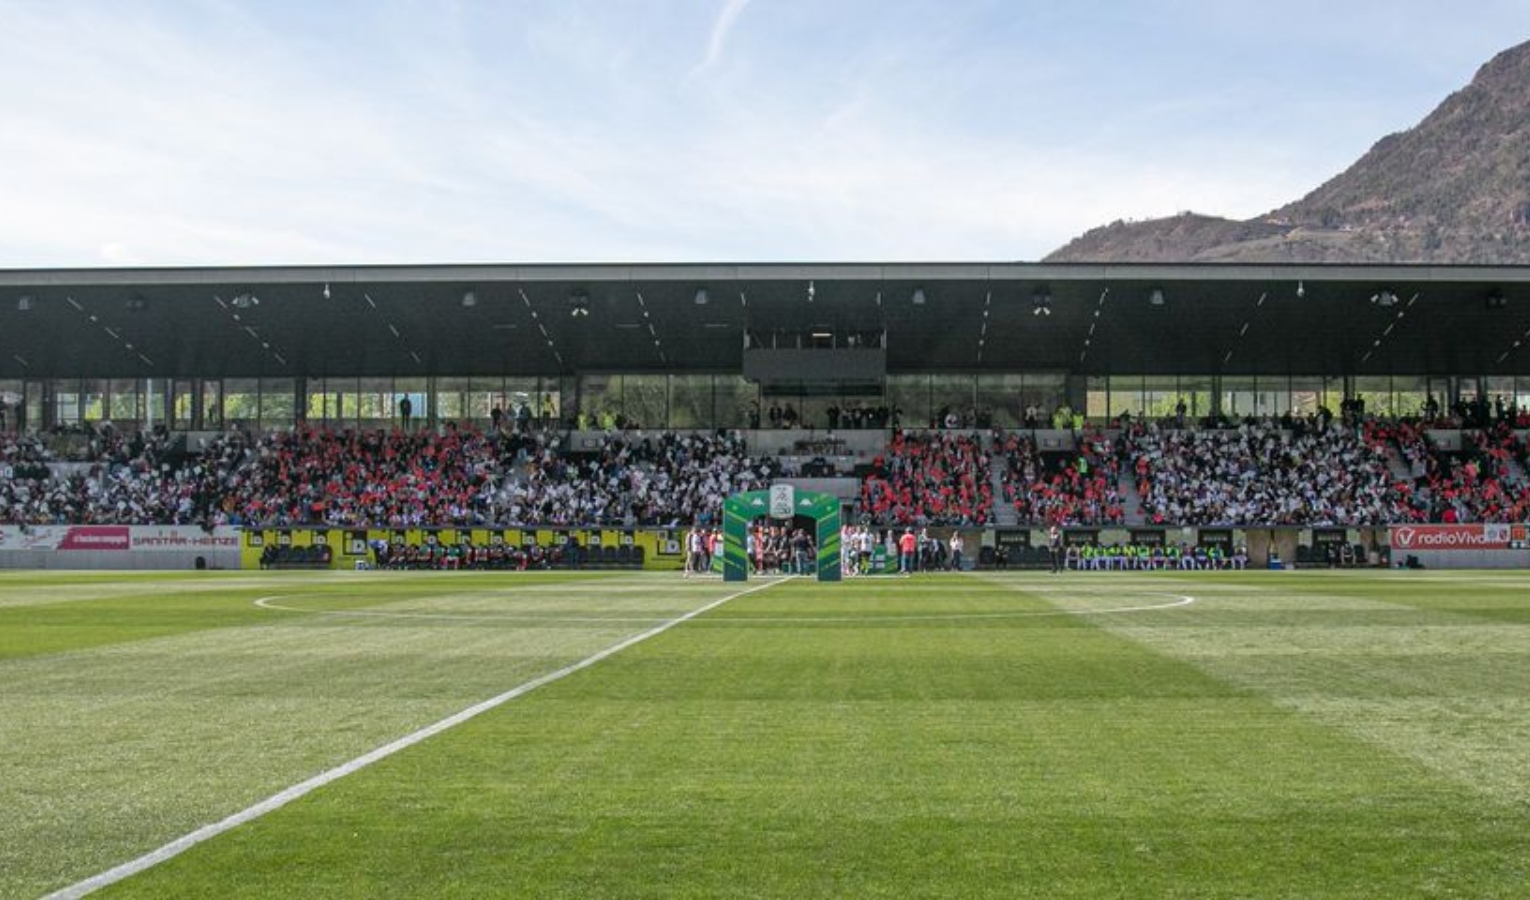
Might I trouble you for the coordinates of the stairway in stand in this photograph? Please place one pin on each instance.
(1396, 464)
(1131, 499)
(1003, 508)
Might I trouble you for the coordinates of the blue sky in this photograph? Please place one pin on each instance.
(223, 133)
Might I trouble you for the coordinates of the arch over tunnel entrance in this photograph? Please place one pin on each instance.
(782, 501)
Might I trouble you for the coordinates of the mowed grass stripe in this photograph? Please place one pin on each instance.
(1434, 670)
(114, 750)
(1041, 757)
(70, 613)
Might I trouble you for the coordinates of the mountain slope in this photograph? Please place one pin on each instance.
(1453, 189)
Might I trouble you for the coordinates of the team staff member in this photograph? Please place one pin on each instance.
(908, 545)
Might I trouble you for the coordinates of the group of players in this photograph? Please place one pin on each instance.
(783, 550)
(1143, 558)
(438, 556)
(775, 549)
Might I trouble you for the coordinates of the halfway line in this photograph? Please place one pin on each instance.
(277, 801)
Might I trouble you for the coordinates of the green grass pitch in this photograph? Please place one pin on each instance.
(1006, 735)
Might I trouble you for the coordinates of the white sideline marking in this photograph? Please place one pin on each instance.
(271, 604)
(1178, 601)
(277, 801)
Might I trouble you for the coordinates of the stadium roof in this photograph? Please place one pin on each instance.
(520, 319)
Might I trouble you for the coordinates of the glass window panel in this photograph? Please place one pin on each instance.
(552, 398)
(1046, 391)
(690, 402)
(951, 395)
(600, 397)
(452, 399)
(1238, 396)
(123, 401)
(155, 398)
(347, 399)
(1410, 392)
(374, 403)
(67, 402)
(551, 403)
(738, 401)
(484, 395)
(1500, 394)
(241, 402)
(518, 398)
(323, 402)
(1096, 400)
(182, 404)
(93, 399)
(1126, 396)
(645, 401)
(566, 390)
(1272, 396)
(1196, 391)
(416, 391)
(212, 404)
(11, 396)
(1306, 395)
(1161, 397)
(1002, 398)
(276, 402)
(815, 410)
(909, 398)
(1376, 391)
(37, 393)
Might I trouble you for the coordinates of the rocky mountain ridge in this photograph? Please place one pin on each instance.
(1455, 189)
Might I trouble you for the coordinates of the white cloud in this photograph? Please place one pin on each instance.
(721, 29)
(134, 140)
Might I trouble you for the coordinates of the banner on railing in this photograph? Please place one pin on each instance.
(118, 538)
(1498, 546)
(1414, 538)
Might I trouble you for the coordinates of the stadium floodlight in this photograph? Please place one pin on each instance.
(1041, 302)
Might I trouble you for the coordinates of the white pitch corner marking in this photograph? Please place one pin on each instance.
(277, 801)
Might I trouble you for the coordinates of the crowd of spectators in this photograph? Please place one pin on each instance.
(934, 478)
(464, 478)
(1482, 482)
(1063, 489)
(1316, 471)
(99, 475)
(359, 478)
(1259, 472)
(633, 479)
